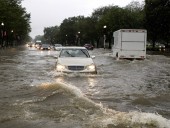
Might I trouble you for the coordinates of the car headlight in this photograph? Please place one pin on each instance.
(91, 67)
(60, 67)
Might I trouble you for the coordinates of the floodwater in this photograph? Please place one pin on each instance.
(124, 93)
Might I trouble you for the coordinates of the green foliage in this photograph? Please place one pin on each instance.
(69, 29)
(76, 28)
(157, 20)
(51, 34)
(116, 18)
(153, 16)
(40, 38)
(15, 18)
(136, 12)
(91, 28)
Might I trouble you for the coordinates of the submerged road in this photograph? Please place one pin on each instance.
(124, 93)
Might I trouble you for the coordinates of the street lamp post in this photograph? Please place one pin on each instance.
(2, 34)
(79, 38)
(66, 40)
(104, 36)
(11, 39)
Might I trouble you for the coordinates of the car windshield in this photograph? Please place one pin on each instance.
(74, 53)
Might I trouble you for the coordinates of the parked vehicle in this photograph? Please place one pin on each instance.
(89, 46)
(75, 60)
(130, 43)
(160, 47)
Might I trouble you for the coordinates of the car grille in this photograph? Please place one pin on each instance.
(76, 68)
(45, 49)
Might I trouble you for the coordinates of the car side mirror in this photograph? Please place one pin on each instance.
(92, 57)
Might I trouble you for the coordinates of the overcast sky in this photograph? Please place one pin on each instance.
(47, 13)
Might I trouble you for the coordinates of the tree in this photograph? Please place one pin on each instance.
(76, 29)
(80, 30)
(51, 34)
(39, 38)
(15, 19)
(98, 17)
(69, 27)
(136, 10)
(157, 13)
(89, 30)
(116, 18)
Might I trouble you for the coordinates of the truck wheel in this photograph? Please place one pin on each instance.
(117, 54)
(117, 57)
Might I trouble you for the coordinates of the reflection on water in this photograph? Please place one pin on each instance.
(91, 82)
(46, 52)
(60, 79)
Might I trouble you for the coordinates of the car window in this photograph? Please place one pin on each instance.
(74, 53)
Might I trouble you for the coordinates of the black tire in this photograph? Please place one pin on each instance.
(117, 55)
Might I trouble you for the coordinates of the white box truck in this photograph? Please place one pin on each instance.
(130, 43)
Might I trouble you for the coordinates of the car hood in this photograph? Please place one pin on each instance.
(75, 61)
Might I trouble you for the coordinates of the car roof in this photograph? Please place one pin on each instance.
(73, 47)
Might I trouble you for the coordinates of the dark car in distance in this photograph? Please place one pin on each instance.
(89, 46)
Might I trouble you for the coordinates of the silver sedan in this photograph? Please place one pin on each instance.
(75, 60)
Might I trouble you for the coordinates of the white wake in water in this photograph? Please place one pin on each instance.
(111, 117)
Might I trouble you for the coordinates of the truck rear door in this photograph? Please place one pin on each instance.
(133, 41)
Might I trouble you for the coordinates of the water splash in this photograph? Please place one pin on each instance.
(103, 117)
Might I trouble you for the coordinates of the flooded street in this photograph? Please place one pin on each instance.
(124, 93)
